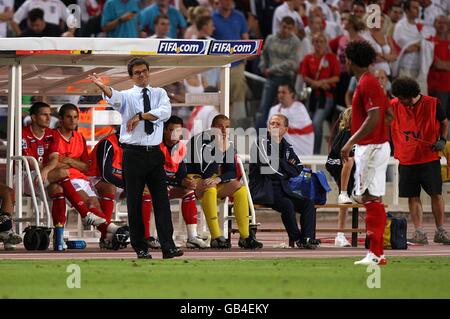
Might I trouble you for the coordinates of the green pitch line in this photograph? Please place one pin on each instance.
(413, 277)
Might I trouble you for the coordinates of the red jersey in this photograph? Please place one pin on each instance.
(439, 80)
(318, 68)
(39, 148)
(75, 147)
(369, 95)
(414, 129)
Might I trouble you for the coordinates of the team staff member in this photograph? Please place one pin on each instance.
(372, 150)
(143, 109)
(419, 132)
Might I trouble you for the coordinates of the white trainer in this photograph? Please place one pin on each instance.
(196, 242)
(341, 241)
(93, 220)
(344, 199)
(370, 259)
(9, 247)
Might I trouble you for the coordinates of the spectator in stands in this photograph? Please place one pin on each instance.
(162, 27)
(383, 47)
(444, 5)
(326, 10)
(439, 76)
(269, 183)
(330, 28)
(428, 13)
(6, 15)
(205, 29)
(177, 21)
(320, 71)
(55, 11)
(231, 24)
(359, 8)
(37, 27)
(93, 25)
(120, 18)
(194, 13)
(289, 8)
(395, 14)
(354, 28)
(7, 234)
(419, 131)
(264, 10)
(212, 162)
(416, 53)
(278, 63)
(300, 133)
(342, 172)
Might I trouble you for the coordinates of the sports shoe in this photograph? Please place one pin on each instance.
(10, 237)
(371, 259)
(105, 244)
(172, 252)
(120, 237)
(9, 247)
(344, 199)
(419, 238)
(196, 242)
(341, 241)
(383, 261)
(153, 243)
(441, 237)
(142, 254)
(93, 220)
(308, 243)
(249, 243)
(220, 243)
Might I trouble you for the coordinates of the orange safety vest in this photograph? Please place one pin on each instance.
(414, 131)
(173, 158)
(85, 120)
(117, 159)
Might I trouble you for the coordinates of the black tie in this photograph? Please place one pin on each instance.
(147, 108)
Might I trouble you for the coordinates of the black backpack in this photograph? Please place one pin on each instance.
(394, 233)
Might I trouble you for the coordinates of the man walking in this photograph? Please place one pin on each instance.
(144, 110)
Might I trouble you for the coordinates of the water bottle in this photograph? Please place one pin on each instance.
(58, 234)
(76, 244)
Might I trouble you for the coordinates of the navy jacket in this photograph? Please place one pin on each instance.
(204, 158)
(261, 185)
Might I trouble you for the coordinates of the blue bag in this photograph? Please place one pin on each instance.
(312, 185)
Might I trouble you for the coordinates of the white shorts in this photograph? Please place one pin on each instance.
(371, 163)
(83, 185)
(27, 186)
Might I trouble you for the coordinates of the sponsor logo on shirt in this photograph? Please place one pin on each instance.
(181, 47)
(233, 47)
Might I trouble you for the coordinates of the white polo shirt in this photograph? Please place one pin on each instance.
(54, 10)
(4, 5)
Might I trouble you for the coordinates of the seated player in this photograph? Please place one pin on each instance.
(7, 234)
(212, 161)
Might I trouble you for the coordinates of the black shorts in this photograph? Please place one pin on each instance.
(413, 177)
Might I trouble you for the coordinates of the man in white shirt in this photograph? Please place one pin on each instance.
(428, 13)
(300, 132)
(288, 8)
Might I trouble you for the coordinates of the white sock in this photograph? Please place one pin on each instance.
(343, 192)
(340, 234)
(191, 230)
(112, 228)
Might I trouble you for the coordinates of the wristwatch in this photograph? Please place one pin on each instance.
(140, 116)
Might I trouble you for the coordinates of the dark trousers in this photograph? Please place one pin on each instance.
(288, 206)
(142, 168)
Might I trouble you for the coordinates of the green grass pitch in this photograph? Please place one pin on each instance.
(412, 277)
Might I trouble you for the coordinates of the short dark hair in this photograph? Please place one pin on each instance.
(65, 108)
(407, 4)
(288, 20)
(360, 53)
(284, 117)
(36, 106)
(174, 120)
(136, 61)
(405, 87)
(219, 117)
(288, 85)
(36, 14)
(358, 3)
(160, 17)
(201, 21)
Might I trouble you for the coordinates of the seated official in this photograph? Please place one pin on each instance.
(269, 183)
(211, 160)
